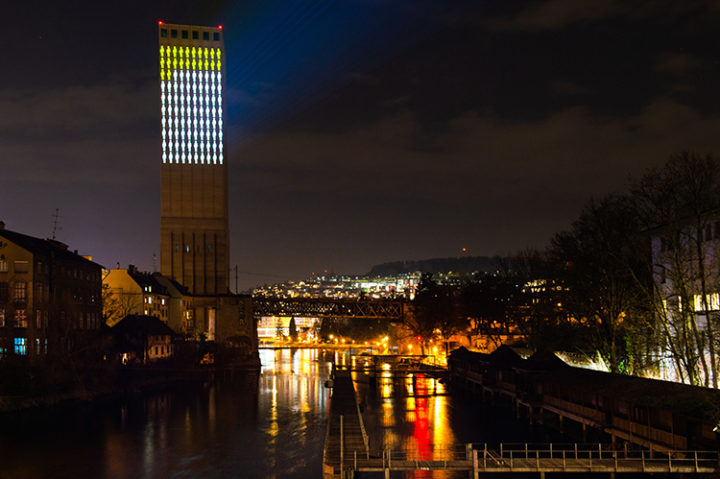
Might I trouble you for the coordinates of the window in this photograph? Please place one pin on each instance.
(173, 33)
(216, 36)
(38, 347)
(3, 265)
(163, 32)
(185, 34)
(20, 289)
(195, 35)
(187, 248)
(2, 318)
(206, 35)
(20, 319)
(20, 346)
(3, 353)
(38, 319)
(4, 291)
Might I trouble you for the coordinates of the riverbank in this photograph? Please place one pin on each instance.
(40, 386)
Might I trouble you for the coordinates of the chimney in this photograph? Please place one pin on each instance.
(118, 265)
(2, 225)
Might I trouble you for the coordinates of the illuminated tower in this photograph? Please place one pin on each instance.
(194, 237)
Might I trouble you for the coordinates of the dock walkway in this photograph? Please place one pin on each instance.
(346, 441)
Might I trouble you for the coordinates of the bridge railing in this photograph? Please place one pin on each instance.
(592, 456)
(517, 457)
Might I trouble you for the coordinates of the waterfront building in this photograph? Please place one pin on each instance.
(128, 291)
(659, 415)
(686, 281)
(194, 236)
(142, 339)
(50, 297)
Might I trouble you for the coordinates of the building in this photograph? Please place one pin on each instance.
(142, 339)
(129, 291)
(194, 222)
(50, 297)
(686, 285)
(609, 407)
(194, 236)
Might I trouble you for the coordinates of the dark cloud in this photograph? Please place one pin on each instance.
(553, 14)
(401, 131)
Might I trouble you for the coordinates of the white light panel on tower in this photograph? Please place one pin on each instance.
(191, 104)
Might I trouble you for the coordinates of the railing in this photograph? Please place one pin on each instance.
(528, 457)
(648, 432)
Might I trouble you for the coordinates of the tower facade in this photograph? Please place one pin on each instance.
(194, 236)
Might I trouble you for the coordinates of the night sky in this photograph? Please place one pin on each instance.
(358, 131)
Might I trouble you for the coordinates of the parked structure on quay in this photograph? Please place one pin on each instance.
(658, 415)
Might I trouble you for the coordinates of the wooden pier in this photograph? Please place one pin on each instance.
(346, 439)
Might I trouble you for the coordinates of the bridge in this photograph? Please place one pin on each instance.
(389, 309)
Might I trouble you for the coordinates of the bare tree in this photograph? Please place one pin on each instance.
(117, 304)
(679, 204)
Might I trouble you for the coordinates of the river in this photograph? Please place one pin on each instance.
(270, 425)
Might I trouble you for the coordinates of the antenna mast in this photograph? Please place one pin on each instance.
(56, 220)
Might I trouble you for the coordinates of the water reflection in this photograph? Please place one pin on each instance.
(269, 425)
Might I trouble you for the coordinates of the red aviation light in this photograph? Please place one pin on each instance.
(219, 27)
(160, 22)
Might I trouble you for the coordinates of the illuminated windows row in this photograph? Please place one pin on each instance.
(188, 34)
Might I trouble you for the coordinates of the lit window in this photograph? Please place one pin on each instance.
(187, 248)
(3, 265)
(20, 346)
(20, 289)
(2, 318)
